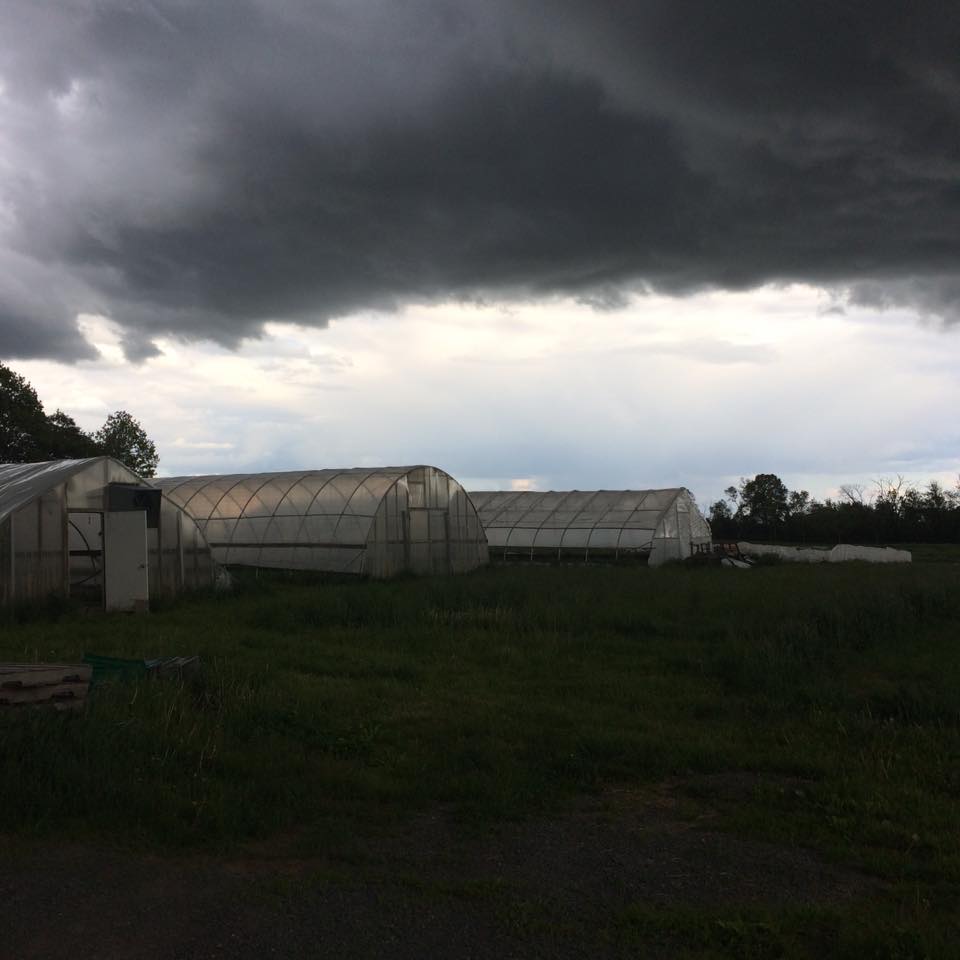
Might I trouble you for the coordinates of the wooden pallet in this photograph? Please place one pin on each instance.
(60, 685)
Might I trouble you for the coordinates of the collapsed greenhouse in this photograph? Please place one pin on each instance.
(378, 522)
(656, 525)
(93, 530)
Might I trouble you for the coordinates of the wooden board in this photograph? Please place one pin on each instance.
(62, 685)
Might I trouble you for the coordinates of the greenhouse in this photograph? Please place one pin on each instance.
(378, 522)
(656, 525)
(92, 530)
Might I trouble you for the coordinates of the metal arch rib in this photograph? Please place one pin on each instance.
(637, 509)
(323, 486)
(616, 549)
(515, 495)
(511, 495)
(208, 480)
(556, 509)
(529, 510)
(586, 547)
(476, 513)
(270, 479)
(226, 493)
(241, 478)
(663, 512)
(518, 495)
(366, 477)
(181, 482)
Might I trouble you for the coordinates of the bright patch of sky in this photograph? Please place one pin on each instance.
(694, 392)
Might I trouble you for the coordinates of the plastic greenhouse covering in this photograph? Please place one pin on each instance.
(53, 519)
(379, 522)
(527, 525)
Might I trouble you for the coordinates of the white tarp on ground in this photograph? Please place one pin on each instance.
(839, 554)
(849, 551)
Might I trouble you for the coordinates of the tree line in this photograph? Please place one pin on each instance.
(29, 435)
(891, 511)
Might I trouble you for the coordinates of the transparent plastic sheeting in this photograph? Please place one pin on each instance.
(51, 526)
(379, 522)
(527, 524)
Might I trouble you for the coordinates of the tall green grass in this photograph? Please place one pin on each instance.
(506, 693)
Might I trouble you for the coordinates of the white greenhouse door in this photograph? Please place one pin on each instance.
(125, 571)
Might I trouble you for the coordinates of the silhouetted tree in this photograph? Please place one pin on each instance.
(64, 440)
(763, 509)
(27, 434)
(764, 502)
(123, 438)
(22, 420)
(721, 520)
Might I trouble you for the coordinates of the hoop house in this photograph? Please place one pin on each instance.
(378, 522)
(589, 525)
(92, 529)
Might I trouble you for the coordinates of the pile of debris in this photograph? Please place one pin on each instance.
(64, 686)
(743, 554)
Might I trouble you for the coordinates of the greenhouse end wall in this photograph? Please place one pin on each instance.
(376, 522)
(52, 534)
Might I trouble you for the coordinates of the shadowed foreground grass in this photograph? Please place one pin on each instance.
(338, 707)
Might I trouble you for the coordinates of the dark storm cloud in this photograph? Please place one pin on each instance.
(36, 318)
(201, 168)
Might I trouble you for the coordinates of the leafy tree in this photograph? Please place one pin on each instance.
(895, 512)
(720, 512)
(764, 500)
(799, 506)
(63, 439)
(888, 508)
(28, 434)
(22, 420)
(936, 497)
(798, 503)
(936, 507)
(123, 438)
(721, 520)
(913, 515)
(853, 493)
(954, 495)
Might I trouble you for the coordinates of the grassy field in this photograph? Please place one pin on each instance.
(829, 697)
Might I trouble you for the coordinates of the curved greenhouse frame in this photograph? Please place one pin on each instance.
(660, 525)
(69, 528)
(379, 522)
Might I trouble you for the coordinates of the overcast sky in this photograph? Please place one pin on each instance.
(578, 243)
